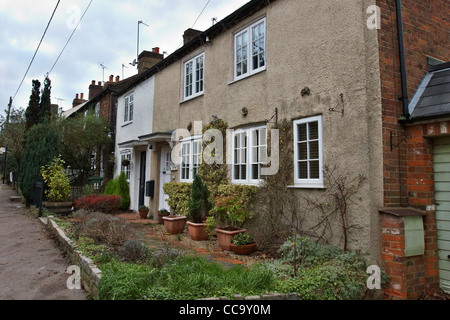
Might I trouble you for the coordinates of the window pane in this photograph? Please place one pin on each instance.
(302, 133)
(314, 150)
(302, 151)
(314, 170)
(313, 131)
(303, 170)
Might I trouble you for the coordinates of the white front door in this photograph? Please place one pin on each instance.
(165, 176)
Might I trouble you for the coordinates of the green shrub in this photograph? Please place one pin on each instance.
(124, 191)
(319, 272)
(120, 187)
(56, 180)
(198, 203)
(179, 194)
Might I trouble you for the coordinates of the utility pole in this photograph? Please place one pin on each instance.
(5, 154)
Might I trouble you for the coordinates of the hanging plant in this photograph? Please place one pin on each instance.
(126, 162)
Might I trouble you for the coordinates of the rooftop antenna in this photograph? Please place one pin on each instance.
(123, 66)
(103, 67)
(138, 40)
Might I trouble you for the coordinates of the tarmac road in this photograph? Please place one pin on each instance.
(31, 265)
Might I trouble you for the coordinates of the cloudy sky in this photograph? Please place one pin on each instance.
(107, 35)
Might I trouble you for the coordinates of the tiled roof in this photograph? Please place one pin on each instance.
(432, 98)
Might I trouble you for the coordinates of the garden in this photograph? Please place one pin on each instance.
(208, 213)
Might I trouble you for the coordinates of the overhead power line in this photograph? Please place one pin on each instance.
(35, 53)
(70, 38)
(201, 13)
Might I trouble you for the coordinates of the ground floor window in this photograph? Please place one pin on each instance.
(308, 152)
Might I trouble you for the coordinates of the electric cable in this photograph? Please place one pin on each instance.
(70, 38)
(35, 53)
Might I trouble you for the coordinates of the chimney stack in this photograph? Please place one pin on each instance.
(147, 59)
(78, 100)
(190, 35)
(117, 78)
(95, 89)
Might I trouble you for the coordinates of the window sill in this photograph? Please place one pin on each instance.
(318, 186)
(192, 98)
(246, 76)
(127, 124)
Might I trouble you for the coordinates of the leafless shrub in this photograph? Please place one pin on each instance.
(102, 228)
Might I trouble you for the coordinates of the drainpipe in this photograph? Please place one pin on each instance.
(401, 47)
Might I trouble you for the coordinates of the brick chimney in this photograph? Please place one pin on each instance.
(78, 100)
(190, 35)
(95, 89)
(148, 59)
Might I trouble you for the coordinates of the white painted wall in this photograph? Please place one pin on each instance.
(142, 124)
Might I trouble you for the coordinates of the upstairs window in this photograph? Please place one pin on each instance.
(194, 77)
(250, 50)
(129, 109)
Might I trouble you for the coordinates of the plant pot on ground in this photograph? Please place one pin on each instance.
(58, 184)
(143, 212)
(175, 224)
(198, 206)
(227, 218)
(161, 214)
(243, 244)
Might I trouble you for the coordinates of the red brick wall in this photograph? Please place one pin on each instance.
(410, 277)
(426, 33)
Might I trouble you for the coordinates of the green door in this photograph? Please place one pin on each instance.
(442, 178)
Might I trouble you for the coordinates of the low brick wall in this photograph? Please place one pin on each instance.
(90, 274)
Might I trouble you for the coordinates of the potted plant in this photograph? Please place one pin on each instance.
(58, 192)
(126, 162)
(198, 206)
(143, 212)
(162, 213)
(243, 244)
(230, 214)
(175, 224)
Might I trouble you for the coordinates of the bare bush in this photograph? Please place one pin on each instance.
(102, 228)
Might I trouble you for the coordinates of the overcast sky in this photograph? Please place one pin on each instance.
(107, 35)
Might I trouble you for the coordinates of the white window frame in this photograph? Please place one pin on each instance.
(247, 54)
(128, 109)
(190, 161)
(127, 170)
(197, 77)
(309, 182)
(253, 150)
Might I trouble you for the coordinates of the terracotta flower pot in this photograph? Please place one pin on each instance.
(224, 237)
(244, 250)
(197, 231)
(161, 216)
(143, 213)
(175, 224)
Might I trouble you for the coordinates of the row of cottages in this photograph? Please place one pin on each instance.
(364, 86)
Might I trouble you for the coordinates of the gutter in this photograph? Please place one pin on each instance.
(401, 47)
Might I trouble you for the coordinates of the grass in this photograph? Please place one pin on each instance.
(205, 279)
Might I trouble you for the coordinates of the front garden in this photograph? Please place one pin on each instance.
(131, 269)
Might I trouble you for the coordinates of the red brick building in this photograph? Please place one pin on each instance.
(414, 48)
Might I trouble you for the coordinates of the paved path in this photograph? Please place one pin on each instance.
(31, 265)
